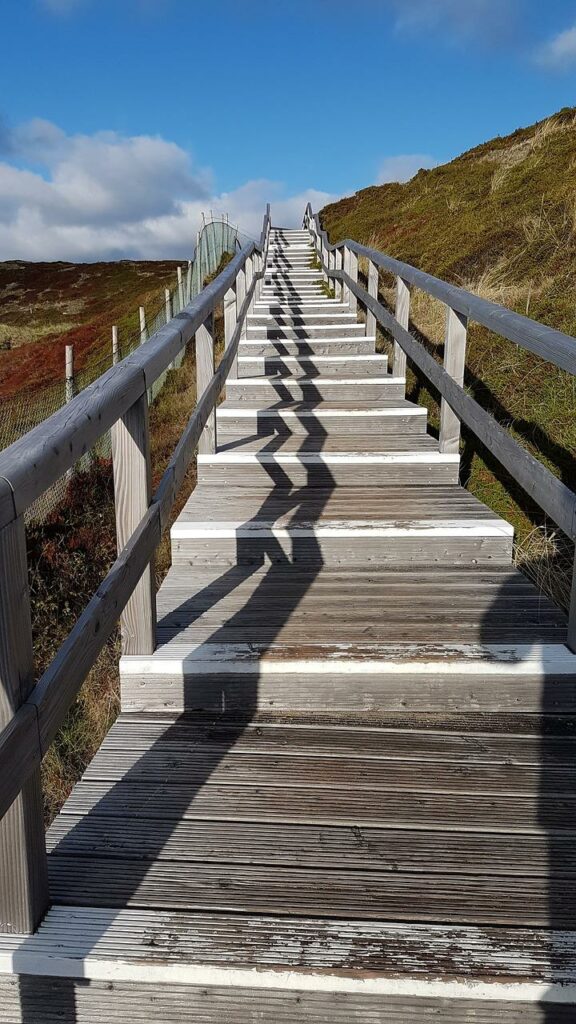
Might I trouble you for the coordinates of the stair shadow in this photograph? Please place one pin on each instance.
(115, 881)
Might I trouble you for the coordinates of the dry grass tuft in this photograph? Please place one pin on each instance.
(546, 556)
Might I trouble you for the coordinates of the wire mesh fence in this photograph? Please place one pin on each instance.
(29, 407)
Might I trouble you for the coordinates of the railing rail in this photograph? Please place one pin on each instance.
(30, 716)
(340, 265)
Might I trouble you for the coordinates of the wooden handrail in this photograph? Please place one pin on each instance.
(31, 716)
(546, 490)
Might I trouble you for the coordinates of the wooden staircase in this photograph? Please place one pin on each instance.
(342, 787)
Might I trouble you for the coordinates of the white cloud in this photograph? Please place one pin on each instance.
(560, 52)
(106, 196)
(61, 6)
(404, 166)
(461, 17)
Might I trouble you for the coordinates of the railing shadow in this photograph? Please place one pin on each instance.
(543, 714)
(101, 873)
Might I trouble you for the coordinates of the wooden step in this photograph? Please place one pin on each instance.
(264, 390)
(98, 965)
(309, 366)
(248, 418)
(295, 319)
(345, 329)
(318, 307)
(230, 997)
(368, 466)
(315, 346)
(347, 526)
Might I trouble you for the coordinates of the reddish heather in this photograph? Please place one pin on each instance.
(89, 297)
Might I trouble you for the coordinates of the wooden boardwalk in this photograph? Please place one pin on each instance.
(343, 786)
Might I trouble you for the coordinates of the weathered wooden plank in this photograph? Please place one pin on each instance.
(132, 496)
(312, 846)
(154, 939)
(75, 881)
(335, 772)
(415, 737)
(23, 878)
(409, 809)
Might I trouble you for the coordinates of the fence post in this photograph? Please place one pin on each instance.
(69, 373)
(180, 287)
(24, 895)
(454, 362)
(403, 318)
(189, 282)
(132, 496)
(373, 291)
(69, 387)
(143, 327)
(115, 347)
(204, 374)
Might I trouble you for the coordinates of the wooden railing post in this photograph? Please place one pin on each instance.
(454, 363)
(180, 287)
(230, 320)
(571, 641)
(168, 305)
(373, 291)
(330, 262)
(324, 258)
(338, 286)
(24, 893)
(204, 374)
(132, 494)
(241, 295)
(403, 318)
(353, 274)
(250, 271)
(346, 269)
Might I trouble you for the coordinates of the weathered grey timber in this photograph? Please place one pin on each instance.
(341, 787)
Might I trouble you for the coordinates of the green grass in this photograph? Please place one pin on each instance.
(500, 220)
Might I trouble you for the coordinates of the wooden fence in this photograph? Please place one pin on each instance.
(30, 715)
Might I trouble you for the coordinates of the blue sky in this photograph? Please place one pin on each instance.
(130, 117)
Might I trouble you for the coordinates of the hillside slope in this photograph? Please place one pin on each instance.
(500, 220)
(45, 306)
